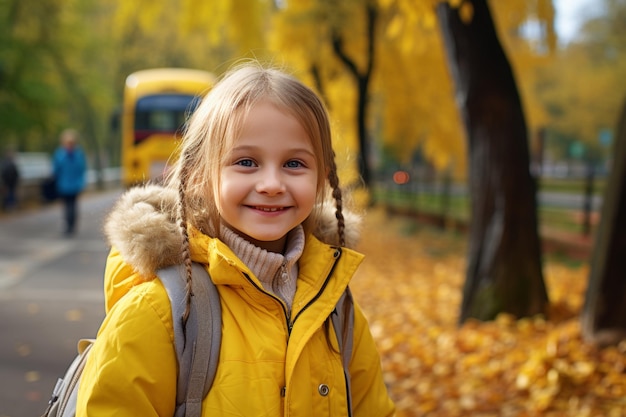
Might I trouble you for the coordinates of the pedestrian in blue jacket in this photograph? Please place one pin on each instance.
(70, 168)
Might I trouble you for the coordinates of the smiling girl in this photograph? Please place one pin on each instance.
(247, 199)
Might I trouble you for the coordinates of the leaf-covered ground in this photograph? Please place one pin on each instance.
(410, 288)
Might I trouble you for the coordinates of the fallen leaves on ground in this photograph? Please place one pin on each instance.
(410, 289)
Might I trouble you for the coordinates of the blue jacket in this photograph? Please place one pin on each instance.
(70, 168)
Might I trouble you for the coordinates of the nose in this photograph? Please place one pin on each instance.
(270, 182)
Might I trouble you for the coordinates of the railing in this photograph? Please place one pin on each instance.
(568, 213)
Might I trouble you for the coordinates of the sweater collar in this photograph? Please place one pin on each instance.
(263, 264)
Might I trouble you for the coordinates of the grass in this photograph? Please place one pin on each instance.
(457, 207)
(567, 185)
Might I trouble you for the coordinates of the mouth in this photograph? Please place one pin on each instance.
(269, 209)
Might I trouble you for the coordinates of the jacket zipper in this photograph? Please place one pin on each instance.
(290, 323)
(287, 315)
(280, 302)
(336, 256)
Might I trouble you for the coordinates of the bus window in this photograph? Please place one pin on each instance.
(163, 113)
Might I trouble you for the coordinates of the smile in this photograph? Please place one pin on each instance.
(269, 209)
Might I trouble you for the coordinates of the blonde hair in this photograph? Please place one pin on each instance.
(215, 125)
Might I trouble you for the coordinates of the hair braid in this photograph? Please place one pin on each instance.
(333, 179)
(186, 253)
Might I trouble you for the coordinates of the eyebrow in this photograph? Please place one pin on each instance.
(249, 148)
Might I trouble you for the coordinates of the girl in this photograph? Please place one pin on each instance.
(246, 199)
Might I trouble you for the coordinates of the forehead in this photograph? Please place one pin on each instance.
(265, 120)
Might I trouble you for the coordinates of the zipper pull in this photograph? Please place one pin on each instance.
(289, 324)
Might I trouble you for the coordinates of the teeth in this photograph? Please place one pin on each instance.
(271, 209)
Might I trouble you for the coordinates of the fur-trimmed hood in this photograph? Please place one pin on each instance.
(142, 226)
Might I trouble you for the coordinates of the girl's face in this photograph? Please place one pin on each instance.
(268, 185)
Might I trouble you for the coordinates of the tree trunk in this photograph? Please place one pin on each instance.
(504, 272)
(604, 312)
(362, 80)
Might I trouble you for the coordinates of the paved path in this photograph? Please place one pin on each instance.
(50, 296)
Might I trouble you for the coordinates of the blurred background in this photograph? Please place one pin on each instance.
(64, 62)
(393, 82)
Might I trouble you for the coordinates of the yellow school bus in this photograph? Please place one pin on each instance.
(157, 102)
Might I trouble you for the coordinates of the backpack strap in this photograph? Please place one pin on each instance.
(343, 323)
(198, 341)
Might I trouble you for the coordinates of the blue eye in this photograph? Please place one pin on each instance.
(294, 164)
(245, 163)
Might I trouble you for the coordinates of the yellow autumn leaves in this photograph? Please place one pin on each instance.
(410, 289)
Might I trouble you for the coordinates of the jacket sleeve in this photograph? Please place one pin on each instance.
(369, 393)
(132, 370)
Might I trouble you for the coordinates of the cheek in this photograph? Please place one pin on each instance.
(226, 192)
(233, 188)
(308, 193)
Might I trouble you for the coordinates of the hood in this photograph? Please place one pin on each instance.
(142, 227)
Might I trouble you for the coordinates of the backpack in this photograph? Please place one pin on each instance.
(197, 347)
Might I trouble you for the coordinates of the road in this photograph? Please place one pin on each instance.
(50, 297)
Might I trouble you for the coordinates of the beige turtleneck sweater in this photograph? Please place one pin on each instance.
(277, 272)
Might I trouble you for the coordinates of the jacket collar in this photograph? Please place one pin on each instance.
(324, 273)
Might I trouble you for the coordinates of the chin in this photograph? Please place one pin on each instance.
(268, 239)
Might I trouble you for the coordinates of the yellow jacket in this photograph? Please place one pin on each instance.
(270, 364)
